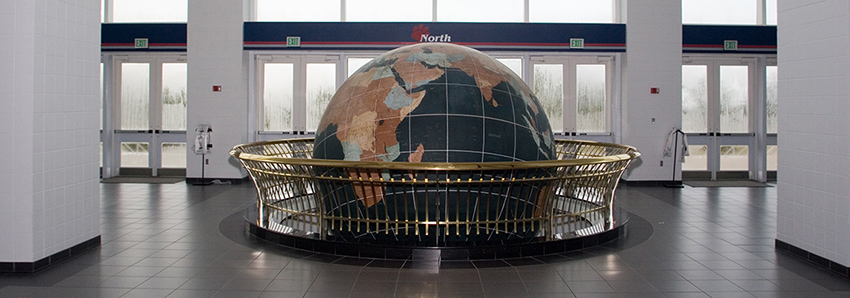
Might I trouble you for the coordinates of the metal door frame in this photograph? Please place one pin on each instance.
(570, 100)
(111, 134)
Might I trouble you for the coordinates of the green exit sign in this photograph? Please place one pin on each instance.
(576, 43)
(141, 43)
(730, 45)
(293, 41)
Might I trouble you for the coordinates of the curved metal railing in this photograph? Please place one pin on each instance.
(435, 203)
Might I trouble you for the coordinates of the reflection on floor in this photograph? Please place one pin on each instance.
(178, 240)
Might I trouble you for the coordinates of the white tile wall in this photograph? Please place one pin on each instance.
(813, 208)
(215, 57)
(48, 191)
(653, 59)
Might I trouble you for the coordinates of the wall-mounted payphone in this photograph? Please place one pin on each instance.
(202, 139)
(202, 146)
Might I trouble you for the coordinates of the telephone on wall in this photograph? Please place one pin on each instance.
(202, 139)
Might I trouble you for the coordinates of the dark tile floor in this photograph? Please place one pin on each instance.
(178, 240)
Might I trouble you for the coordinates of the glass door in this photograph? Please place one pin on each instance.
(149, 116)
(575, 92)
(717, 104)
(294, 91)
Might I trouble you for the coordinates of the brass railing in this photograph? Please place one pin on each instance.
(435, 203)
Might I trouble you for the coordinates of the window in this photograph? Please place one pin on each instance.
(590, 98)
(734, 157)
(174, 96)
(574, 93)
(135, 11)
(499, 11)
(135, 99)
(694, 98)
(718, 96)
(504, 11)
(549, 88)
(295, 91)
(277, 96)
(354, 64)
(734, 98)
(742, 12)
(298, 11)
(149, 128)
(320, 86)
(772, 80)
(388, 11)
(771, 12)
(514, 64)
(729, 12)
(571, 11)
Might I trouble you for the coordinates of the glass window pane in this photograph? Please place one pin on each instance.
(388, 11)
(321, 84)
(741, 12)
(549, 88)
(298, 11)
(100, 116)
(135, 11)
(694, 98)
(590, 98)
(504, 11)
(354, 64)
(277, 96)
(515, 64)
(771, 12)
(734, 97)
(135, 98)
(734, 158)
(571, 11)
(173, 155)
(134, 155)
(772, 80)
(697, 159)
(174, 96)
(772, 157)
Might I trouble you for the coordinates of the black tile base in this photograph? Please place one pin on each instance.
(813, 258)
(31, 267)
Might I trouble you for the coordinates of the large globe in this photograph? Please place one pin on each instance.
(432, 102)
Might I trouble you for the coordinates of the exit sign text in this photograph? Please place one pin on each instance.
(576, 43)
(293, 41)
(141, 43)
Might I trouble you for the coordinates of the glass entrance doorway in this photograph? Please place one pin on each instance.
(727, 115)
(294, 92)
(575, 92)
(148, 117)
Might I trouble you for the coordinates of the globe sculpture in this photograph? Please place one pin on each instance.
(433, 102)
